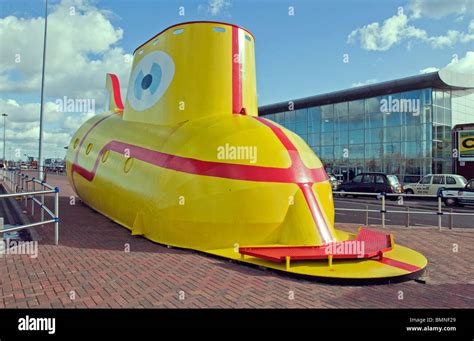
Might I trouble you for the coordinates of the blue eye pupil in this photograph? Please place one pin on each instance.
(146, 81)
(149, 83)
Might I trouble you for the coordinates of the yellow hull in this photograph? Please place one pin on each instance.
(190, 210)
(208, 213)
(187, 162)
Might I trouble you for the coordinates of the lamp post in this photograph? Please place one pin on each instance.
(4, 134)
(40, 156)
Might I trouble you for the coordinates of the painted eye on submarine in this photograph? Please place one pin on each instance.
(150, 80)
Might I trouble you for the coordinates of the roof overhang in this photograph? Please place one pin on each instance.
(443, 79)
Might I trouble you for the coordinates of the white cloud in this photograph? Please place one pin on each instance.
(440, 8)
(429, 69)
(377, 37)
(23, 127)
(81, 49)
(463, 65)
(216, 7)
(382, 37)
(367, 82)
(452, 37)
(447, 40)
(28, 112)
(71, 122)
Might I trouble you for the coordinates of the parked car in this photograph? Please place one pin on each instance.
(433, 184)
(459, 196)
(54, 165)
(372, 183)
(334, 182)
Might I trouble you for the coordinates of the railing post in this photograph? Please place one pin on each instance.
(42, 201)
(366, 215)
(32, 197)
(383, 210)
(440, 212)
(408, 216)
(450, 218)
(56, 214)
(27, 186)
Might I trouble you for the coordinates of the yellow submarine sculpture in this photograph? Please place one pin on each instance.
(187, 162)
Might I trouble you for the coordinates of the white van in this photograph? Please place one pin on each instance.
(431, 184)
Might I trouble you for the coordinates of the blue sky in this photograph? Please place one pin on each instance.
(299, 55)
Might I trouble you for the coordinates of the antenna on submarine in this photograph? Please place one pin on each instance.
(40, 157)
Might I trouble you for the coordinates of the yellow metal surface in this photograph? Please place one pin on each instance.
(187, 210)
(198, 59)
(159, 169)
(343, 269)
(362, 269)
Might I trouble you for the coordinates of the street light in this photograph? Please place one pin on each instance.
(4, 130)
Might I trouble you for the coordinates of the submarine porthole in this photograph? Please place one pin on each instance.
(156, 41)
(178, 31)
(89, 148)
(128, 165)
(248, 37)
(105, 156)
(219, 29)
(76, 142)
(146, 81)
(140, 52)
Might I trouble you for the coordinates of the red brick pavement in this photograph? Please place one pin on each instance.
(90, 268)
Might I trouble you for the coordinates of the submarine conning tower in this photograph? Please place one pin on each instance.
(191, 70)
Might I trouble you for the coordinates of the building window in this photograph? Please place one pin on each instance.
(327, 138)
(327, 118)
(314, 120)
(356, 136)
(373, 120)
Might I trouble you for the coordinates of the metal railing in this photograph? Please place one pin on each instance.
(18, 184)
(383, 211)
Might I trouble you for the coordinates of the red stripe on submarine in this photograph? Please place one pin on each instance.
(188, 162)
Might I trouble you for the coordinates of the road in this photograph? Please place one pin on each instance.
(400, 219)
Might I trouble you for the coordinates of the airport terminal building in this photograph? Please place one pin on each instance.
(402, 127)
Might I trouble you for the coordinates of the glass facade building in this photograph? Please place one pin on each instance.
(406, 133)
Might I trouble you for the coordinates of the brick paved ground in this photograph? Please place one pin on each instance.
(90, 261)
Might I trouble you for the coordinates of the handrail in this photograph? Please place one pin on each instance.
(439, 212)
(18, 183)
